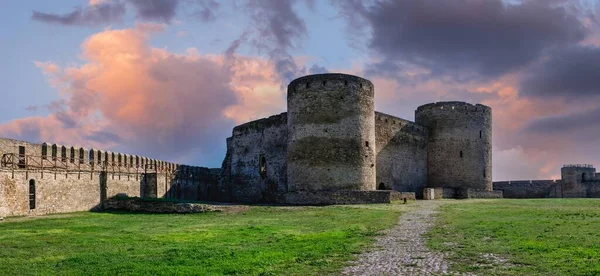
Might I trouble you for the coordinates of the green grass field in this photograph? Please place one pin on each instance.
(259, 241)
(521, 237)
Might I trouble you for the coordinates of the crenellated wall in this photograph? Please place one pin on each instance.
(401, 147)
(66, 179)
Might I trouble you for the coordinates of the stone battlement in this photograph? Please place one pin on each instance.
(455, 106)
(260, 124)
(329, 81)
(583, 166)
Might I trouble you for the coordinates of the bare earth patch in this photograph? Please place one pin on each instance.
(402, 250)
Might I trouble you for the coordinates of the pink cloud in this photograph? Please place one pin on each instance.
(132, 97)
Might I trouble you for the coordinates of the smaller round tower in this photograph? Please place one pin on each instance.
(459, 151)
(331, 133)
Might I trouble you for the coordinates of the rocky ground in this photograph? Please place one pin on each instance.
(402, 251)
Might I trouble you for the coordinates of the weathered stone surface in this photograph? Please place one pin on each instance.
(401, 154)
(576, 181)
(159, 207)
(337, 197)
(331, 133)
(259, 141)
(460, 144)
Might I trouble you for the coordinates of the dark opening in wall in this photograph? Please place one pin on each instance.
(91, 157)
(63, 154)
(461, 154)
(381, 186)
(367, 144)
(480, 134)
(44, 151)
(262, 166)
(106, 157)
(483, 173)
(81, 155)
(582, 177)
(54, 150)
(22, 157)
(72, 157)
(324, 83)
(119, 158)
(31, 194)
(307, 84)
(99, 157)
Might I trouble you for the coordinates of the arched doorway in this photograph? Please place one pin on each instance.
(381, 186)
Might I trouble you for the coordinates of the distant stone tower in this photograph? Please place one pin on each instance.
(459, 153)
(331, 133)
(572, 178)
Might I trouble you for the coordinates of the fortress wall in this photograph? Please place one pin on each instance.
(526, 188)
(68, 178)
(255, 145)
(593, 189)
(401, 147)
(58, 193)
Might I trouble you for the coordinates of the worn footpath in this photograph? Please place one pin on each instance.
(402, 250)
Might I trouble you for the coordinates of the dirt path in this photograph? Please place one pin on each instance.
(402, 251)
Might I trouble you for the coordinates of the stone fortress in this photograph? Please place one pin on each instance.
(331, 147)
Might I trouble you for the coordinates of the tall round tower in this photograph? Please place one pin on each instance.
(459, 152)
(331, 133)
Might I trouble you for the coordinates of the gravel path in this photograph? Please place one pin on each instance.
(402, 251)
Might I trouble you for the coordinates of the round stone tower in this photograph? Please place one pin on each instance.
(459, 152)
(331, 133)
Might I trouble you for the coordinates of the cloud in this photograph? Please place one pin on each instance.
(570, 72)
(316, 69)
(98, 12)
(206, 12)
(128, 96)
(147, 99)
(155, 10)
(463, 38)
(102, 12)
(277, 29)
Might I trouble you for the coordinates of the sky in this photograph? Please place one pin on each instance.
(169, 79)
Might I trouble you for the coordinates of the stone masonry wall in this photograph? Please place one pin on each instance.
(331, 133)
(526, 188)
(401, 154)
(460, 143)
(59, 193)
(255, 167)
(71, 179)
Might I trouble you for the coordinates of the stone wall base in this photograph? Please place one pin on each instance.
(341, 197)
(451, 193)
(157, 206)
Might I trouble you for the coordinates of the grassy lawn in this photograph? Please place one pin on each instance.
(258, 241)
(521, 237)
